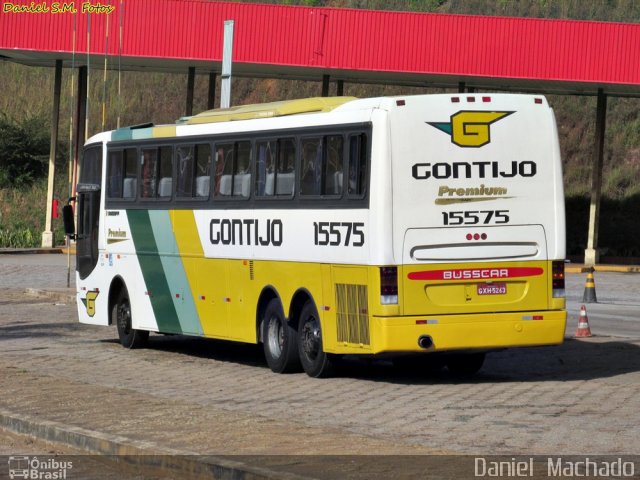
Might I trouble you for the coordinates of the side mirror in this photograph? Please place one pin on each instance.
(67, 220)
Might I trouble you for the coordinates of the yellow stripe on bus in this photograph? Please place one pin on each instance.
(202, 275)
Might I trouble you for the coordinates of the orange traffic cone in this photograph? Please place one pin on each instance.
(583, 329)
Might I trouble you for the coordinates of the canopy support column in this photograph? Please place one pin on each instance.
(211, 96)
(191, 79)
(591, 254)
(325, 85)
(340, 88)
(78, 126)
(47, 235)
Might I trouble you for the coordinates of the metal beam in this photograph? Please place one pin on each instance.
(591, 254)
(47, 235)
(191, 80)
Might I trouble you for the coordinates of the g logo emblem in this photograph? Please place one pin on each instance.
(90, 302)
(470, 128)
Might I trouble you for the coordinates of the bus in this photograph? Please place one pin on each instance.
(333, 226)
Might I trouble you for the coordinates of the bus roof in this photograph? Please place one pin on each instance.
(267, 110)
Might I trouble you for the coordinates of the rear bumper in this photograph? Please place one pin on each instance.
(478, 331)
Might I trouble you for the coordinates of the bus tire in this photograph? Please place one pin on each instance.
(121, 316)
(465, 365)
(279, 340)
(315, 361)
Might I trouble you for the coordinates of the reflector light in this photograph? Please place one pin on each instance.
(421, 322)
(537, 100)
(400, 103)
(483, 236)
(557, 279)
(486, 99)
(388, 285)
(476, 236)
(471, 99)
(469, 236)
(455, 99)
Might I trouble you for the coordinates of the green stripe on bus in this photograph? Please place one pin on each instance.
(174, 272)
(153, 271)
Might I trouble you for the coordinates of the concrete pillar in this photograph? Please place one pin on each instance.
(191, 80)
(211, 96)
(47, 235)
(591, 254)
(340, 88)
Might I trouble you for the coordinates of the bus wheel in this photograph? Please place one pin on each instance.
(279, 340)
(464, 365)
(121, 316)
(314, 360)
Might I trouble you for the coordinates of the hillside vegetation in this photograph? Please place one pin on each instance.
(160, 98)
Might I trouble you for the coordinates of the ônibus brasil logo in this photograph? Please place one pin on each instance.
(470, 128)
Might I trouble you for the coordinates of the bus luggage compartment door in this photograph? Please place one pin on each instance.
(465, 270)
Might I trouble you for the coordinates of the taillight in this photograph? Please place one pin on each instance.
(557, 272)
(389, 285)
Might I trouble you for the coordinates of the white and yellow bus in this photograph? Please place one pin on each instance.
(331, 226)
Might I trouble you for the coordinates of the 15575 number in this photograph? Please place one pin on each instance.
(338, 233)
(478, 217)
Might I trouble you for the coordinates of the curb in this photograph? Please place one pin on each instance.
(18, 251)
(603, 268)
(63, 295)
(137, 453)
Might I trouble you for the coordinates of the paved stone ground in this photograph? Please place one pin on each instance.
(215, 398)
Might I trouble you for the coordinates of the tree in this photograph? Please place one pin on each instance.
(24, 151)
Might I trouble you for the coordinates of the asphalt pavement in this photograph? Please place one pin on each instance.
(187, 402)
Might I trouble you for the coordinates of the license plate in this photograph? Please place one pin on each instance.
(492, 289)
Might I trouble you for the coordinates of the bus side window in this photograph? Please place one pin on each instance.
(203, 170)
(184, 172)
(115, 174)
(148, 173)
(265, 168)
(285, 178)
(193, 165)
(156, 172)
(130, 173)
(223, 169)
(311, 166)
(121, 174)
(322, 165)
(332, 184)
(357, 165)
(242, 170)
(275, 167)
